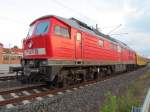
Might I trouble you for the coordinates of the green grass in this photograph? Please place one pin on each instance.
(132, 96)
(110, 103)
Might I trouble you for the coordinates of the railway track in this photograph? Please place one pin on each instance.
(27, 94)
(12, 97)
(5, 78)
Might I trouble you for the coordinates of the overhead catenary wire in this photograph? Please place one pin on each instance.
(114, 29)
(12, 20)
(119, 34)
(73, 10)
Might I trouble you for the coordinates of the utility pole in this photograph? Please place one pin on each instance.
(97, 27)
(9, 54)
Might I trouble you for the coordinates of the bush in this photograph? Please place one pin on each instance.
(110, 103)
(119, 104)
(126, 102)
(132, 96)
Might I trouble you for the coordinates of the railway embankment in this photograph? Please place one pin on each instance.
(88, 98)
(132, 97)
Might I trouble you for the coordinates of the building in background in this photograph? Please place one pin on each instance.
(1, 50)
(10, 55)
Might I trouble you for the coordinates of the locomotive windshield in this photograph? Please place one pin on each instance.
(31, 30)
(42, 28)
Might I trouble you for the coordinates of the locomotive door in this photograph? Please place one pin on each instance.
(78, 45)
(119, 53)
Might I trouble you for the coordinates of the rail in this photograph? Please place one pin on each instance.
(5, 78)
(15, 100)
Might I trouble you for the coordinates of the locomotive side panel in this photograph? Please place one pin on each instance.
(62, 41)
(125, 55)
(98, 49)
(132, 57)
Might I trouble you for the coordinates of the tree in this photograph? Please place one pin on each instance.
(15, 46)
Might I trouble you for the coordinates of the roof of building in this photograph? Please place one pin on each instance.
(13, 50)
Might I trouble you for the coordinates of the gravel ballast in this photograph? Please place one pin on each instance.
(86, 99)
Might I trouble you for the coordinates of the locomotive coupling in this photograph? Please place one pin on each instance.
(28, 71)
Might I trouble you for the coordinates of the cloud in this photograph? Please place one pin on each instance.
(137, 19)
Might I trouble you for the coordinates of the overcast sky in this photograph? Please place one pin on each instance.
(133, 15)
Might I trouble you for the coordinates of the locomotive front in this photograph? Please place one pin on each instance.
(37, 50)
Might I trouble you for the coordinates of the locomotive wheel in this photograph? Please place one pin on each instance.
(22, 78)
(59, 81)
(68, 80)
(95, 75)
(108, 71)
(91, 75)
(101, 74)
(65, 82)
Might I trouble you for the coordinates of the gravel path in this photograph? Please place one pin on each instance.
(87, 99)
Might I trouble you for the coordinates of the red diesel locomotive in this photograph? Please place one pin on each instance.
(67, 51)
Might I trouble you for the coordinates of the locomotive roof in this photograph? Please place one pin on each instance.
(82, 26)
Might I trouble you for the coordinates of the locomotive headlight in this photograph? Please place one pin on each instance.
(44, 62)
(31, 62)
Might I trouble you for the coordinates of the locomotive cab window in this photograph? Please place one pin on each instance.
(101, 43)
(78, 37)
(118, 48)
(31, 30)
(57, 30)
(42, 28)
(62, 31)
(111, 46)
